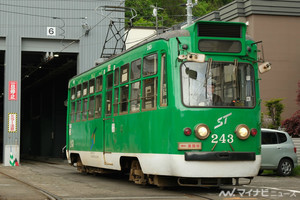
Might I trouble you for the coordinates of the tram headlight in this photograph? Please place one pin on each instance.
(202, 131)
(242, 131)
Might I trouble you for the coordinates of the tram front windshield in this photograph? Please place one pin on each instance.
(217, 84)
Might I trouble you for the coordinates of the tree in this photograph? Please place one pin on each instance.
(292, 124)
(174, 11)
(275, 108)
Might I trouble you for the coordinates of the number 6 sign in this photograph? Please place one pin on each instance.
(51, 31)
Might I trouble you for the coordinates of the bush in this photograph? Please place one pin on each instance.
(292, 125)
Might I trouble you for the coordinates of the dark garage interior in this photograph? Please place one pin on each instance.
(43, 113)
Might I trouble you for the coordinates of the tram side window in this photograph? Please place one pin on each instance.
(91, 107)
(135, 70)
(150, 65)
(109, 81)
(125, 73)
(73, 95)
(85, 89)
(116, 99)
(99, 84)
(124, 99)
(108, 103)
(72, 112)
(84, 109)
(149, 93)
(135, 96)
(116, 82)
(78, 91)
(78, 110)
(92, 86)
(98, 106)
(163, 87)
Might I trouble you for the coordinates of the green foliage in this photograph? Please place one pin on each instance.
(275, 108)
(296, 171)
(173, 12)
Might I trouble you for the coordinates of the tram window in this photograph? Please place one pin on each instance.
(116, 99)
(72, 112)
(135, 70)
(91, 107)
(109, 81)
(78, 110)
(98, 106)
(135, 96)
(85, 89)
(108, 103)
(163, 86)
(150, 65)
(84, 109)
(219, 84)
(99, 84)
(124, 99)
(124, 73)
(92, 86)
(116, 82)
(149, 93)
(73, 91)
(78, 91)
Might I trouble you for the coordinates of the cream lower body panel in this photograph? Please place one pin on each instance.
(173, 165)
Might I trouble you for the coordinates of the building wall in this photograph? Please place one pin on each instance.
(281, 43)
(137, 35)
(277, 24)
(30, 19)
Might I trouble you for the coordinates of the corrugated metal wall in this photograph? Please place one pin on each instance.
(30, 19)
(24, 26)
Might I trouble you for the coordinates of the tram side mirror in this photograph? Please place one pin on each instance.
(264, 67)
(192, 74)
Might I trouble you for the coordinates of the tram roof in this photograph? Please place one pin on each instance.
(164, 36)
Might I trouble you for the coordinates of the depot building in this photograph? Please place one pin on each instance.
(42, 45)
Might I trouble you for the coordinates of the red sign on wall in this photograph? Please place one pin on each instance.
(12, 90)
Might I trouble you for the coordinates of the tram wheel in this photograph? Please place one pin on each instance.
(136, 174)
(80, 167)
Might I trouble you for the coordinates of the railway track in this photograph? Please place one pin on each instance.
(48, 195)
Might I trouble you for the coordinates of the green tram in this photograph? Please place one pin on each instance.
(182, 108)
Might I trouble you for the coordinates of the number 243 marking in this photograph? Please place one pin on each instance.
(223, 138)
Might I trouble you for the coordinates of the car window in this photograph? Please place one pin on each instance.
(268, 138)
(282, 137)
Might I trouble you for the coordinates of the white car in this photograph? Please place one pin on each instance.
(278, 152)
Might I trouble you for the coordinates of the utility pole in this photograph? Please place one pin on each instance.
(155, 14)
(189, 7)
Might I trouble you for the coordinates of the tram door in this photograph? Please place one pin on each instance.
(108, 119)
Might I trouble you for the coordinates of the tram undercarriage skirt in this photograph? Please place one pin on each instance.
(219, 156)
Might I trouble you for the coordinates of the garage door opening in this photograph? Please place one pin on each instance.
(43, 113)
(1, 102)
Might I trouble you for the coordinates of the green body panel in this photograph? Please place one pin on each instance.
(159, 130)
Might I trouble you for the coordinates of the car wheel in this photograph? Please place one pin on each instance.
(285, 167)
